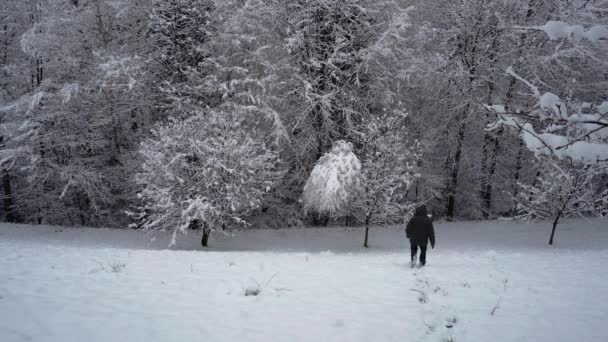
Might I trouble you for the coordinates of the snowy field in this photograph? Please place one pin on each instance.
(485, 281)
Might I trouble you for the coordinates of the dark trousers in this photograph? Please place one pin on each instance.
(414, 247)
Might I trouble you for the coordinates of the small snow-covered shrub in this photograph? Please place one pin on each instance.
(334, 181)
(562, 190)
(205, 172)
(389, 168)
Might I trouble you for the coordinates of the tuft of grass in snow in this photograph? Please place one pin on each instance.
(115, 267)
(254, 290)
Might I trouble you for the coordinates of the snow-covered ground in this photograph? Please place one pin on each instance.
(485, 281)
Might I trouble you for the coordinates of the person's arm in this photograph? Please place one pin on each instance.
(407, 229)
(431, 234)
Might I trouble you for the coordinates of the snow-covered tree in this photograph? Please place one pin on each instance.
(338, 65)
(389, 169)
(208, 171)
(83, 82)
(564, 189)
(334, 182)
(566, 114)
(59, 138)
(452, 69)
(564, 129)
(182, 33)
(463, 49)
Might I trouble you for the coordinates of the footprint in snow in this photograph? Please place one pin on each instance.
(451, 322)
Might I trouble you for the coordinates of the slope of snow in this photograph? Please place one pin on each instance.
(485, 281)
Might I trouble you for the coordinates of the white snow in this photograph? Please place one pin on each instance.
(548, 143)
(35, 101)
(68, 91)
(552, 102)
(499, 109)
(333, 181)
(603, 108)
(558, 30)
(597, 33)
(489, 281)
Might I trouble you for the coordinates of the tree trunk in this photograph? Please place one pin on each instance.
(484, 164)
(205, 238)
(349, 220)
(366, 231)
(518, 167)
(419, 165)
(8, 197)
(39, 72)
(487, 194)
(320, 219)
(453, 181)
(555, 222)
(483, 179)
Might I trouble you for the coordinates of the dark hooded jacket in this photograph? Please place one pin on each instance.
(420, 228)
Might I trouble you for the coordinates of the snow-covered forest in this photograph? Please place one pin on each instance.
(267, 170)
(202, 114)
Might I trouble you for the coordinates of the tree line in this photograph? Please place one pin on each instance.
(190, 113)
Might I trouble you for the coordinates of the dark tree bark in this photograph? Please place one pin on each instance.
(487, 192)
(417, 188)
(484, 163)
(320, 219)
(39, 71)
(8, 197)
(517, 175)
(367, 219)
(205, 238)
(453, 180)
(555, 222)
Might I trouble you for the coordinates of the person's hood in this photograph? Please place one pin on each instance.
(420, 211)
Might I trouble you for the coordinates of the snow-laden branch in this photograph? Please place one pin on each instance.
(557, 30)
(334, 181)
(580, 136)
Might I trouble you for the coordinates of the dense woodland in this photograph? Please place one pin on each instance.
(185, 114)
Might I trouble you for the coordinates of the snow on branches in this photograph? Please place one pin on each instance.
(390, 165)
(389, 159)
(373, 190)
(556, 30)
(342, 58)
(567, 130)
(564, 189)
(207, 171)
(334, 181)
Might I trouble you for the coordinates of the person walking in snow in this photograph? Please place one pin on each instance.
(420, 231)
